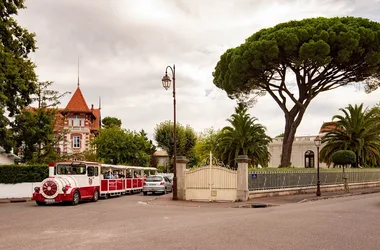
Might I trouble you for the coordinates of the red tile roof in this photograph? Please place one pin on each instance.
(77, 102)
(96, 123)
(327, 126)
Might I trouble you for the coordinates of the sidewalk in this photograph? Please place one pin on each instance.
(166, 200)
(14, 200)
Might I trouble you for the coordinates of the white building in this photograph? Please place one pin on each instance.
(304, 152)
(162, 157)
(7, 158)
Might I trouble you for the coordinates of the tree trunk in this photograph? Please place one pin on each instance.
(287, 144)
(356, 165)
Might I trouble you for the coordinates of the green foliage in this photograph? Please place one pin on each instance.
(34, 132)
(186, 138)
(343, 157)
(119, 146)
(17, 76)
(320, 53)
(280, 135)
(35, 129)
(109, 122)
(10, 174)
(206, 142)
(358, 129)
(90, 155)
(161, 169)
(243, 137)
(46, 97)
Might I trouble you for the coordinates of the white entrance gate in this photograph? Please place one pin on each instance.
(211, 183)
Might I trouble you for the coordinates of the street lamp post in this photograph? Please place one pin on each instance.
(317, 142)
(166, 84)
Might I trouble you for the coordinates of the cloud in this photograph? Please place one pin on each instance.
(124, 47)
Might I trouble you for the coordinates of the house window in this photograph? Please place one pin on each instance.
(76, 142)
(309, 159)
(76, 121)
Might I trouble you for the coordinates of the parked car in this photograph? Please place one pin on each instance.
(168, 175)
(157, 184)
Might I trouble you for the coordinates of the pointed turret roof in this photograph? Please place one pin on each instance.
(77, 102)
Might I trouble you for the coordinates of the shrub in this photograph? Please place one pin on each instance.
(161, 169)
(343, 157)
(11, 174)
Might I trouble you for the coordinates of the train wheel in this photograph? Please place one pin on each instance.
(76, 198)
(95, 198)
(145, 193)
(40, 203)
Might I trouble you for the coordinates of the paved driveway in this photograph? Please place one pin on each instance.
(124, 223)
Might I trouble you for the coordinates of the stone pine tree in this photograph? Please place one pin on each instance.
(17, 76)
(109, 122)
(295, 61)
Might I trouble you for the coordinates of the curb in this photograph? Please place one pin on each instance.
(338, 196)
(14, 200)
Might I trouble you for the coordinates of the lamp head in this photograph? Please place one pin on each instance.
(166, 81)
(317, 141)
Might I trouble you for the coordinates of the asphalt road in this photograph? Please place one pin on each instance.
(125, 223)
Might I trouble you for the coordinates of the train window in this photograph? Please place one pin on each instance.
(69, 169)
(96, 171)
(90, 171)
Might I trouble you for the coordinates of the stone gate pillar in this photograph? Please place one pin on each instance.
(181, 170)
(242, 192)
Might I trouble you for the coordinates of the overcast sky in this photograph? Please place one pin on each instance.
(124, 47)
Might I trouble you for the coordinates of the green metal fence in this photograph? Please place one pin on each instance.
(264, 180)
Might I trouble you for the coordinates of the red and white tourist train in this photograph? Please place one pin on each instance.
(73, 181)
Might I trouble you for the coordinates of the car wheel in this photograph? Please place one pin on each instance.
(40, 203)
(95, 198)
(76, 198)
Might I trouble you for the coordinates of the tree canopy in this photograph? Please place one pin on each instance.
(357, 129)
(17, 76)
(34, 133)
(207, 142)
(35, 130)
(109, 122)
(295, 61)
(119, 146)
(244, 137)
(343, 158)
(186, 138)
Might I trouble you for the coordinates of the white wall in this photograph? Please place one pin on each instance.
(19, 190)
(301, 144)
(5, 160)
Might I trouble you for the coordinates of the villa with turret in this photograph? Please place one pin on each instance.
(78, 125)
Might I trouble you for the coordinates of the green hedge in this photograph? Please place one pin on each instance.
(10, 174)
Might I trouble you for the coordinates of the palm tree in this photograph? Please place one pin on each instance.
(243, 137)
(358, 130)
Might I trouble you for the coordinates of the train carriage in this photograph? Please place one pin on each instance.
(74, 181)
